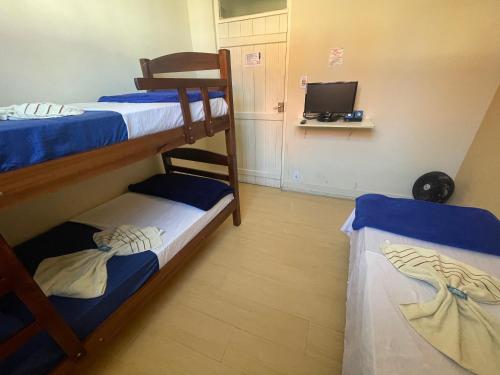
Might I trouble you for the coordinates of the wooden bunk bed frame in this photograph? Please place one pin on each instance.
(23, 183)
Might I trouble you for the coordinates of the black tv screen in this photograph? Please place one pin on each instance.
(332, 97)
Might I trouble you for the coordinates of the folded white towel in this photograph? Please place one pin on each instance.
(35, 111)
(453, 322)
(128, 239)
(83, 274)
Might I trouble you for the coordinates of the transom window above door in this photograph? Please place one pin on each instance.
(238, 8)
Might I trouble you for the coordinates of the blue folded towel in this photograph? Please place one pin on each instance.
(464, 227)
(203, 193)
(162, 96)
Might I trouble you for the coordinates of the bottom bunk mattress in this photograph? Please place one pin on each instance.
(126, 274)
(378, 338)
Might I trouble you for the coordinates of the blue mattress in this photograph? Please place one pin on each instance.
(125, 276)
(28, 142)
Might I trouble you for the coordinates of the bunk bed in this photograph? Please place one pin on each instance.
(52, 320)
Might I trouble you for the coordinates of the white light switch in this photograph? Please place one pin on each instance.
(303, 82)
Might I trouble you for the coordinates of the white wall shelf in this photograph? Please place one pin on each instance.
(365, 124)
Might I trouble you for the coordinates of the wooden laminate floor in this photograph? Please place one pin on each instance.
(265, 298)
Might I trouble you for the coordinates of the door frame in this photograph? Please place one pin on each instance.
(288, 11)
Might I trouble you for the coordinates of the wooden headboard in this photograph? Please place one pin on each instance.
(181, 62)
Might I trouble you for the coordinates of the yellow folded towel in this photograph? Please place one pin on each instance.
(453, 322)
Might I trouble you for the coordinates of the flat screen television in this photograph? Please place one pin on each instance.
(332, 97)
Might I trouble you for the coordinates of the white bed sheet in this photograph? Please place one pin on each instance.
(378, 339)
(148, 118)
(180, 222)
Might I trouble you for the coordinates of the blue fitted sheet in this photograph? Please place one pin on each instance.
(126, 274)
(28, 142)
(161, 96)
(464, 227)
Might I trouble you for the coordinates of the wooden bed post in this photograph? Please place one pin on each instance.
(146, 72)
(225, 73)
(14, 278)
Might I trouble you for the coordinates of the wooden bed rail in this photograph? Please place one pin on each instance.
(176, 83)
(14, 278)
(194, 154)
(181, 85)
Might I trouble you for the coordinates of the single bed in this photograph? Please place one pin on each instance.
(126, 275)
(378, 339)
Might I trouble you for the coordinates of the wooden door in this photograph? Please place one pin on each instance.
(258, 46)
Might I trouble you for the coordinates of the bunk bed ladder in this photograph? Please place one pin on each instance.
(14, 278)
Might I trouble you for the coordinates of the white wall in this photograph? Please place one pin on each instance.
(427, 71)
(74, 51)
(70, 51)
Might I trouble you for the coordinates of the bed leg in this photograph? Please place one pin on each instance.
(233, 173)
(225, 73)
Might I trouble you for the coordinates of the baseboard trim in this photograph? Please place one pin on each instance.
(333, 192)
(256, 173)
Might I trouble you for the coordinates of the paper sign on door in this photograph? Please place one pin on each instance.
(253, 59)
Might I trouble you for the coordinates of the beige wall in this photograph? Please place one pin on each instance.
(478, 179)
(426, 69)
(74, 51)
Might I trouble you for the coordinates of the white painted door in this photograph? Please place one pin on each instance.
(258, 46)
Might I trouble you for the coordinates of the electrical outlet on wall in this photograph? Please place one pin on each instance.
(296, 175)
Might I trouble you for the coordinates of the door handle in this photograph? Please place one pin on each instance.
(280, 107)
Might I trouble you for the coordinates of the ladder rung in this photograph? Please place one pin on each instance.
(18, 339)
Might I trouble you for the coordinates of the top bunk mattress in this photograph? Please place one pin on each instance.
(378, 339)
(28, 142)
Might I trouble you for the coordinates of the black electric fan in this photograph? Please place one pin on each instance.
(433, 187)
